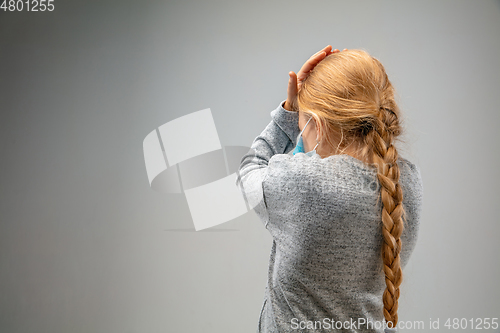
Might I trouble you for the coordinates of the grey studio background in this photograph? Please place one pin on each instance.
(87, 246)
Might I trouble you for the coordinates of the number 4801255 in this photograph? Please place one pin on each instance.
(478, 323)
(27, 5)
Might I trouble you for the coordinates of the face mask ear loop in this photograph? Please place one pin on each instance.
(300, 134)
(317, 143)
(341, 139)
(306, 125)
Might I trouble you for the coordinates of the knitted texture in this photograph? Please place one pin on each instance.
(325, 219)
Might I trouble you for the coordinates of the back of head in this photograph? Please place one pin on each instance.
(349, 93)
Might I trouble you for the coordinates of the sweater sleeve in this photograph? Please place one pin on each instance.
(279, 137)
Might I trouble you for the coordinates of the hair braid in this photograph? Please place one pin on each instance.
(385, 158)
(351, 94)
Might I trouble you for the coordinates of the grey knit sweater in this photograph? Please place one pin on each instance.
(325, 268)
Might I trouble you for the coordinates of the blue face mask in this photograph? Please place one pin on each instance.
(299, 148)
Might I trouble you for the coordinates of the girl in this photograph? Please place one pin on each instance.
(343, 208)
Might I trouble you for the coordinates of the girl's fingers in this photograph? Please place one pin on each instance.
(292, 91)
(309, 65)
(292, 84)
(326, 50)
(296, 79)
(314, 60)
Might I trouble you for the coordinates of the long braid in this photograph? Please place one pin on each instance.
(351, 92)
(385, 155)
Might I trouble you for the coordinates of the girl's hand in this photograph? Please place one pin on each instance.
(295, 80)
